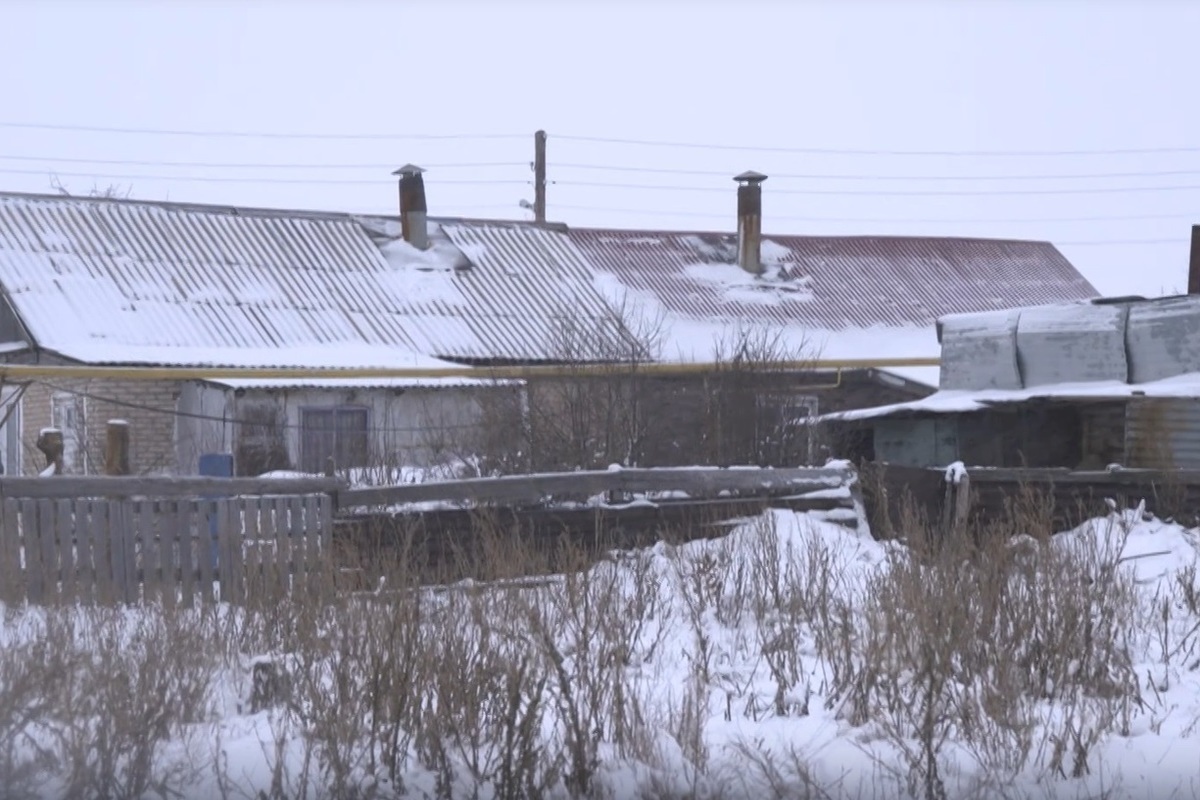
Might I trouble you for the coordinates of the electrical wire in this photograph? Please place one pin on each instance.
(262, 134)
(866, 152)
(248, 165)
(860, 177)
(607, 168)
(891, 193)
(886, 220)
(232, 179)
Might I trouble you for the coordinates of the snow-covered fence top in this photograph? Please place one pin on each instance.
(694, 482)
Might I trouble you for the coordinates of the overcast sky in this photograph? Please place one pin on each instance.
(1073, 122)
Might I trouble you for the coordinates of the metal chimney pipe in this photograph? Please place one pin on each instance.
(412, 206)
(1194, 262)
(749, 200)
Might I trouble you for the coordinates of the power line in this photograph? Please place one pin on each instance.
(891, 193)
(860, 177)
(854, 152)
(604, 168)
(263, 134)
(244, 165)
(885, 220)
(234, 179)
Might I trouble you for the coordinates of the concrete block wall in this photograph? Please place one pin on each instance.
(148, 406)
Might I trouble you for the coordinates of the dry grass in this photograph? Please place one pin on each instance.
(513, 686)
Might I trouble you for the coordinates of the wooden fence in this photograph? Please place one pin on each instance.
(67, 539)
(534, 490)
(990, 494)
(127, 539)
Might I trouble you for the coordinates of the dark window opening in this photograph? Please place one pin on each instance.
(338, 432)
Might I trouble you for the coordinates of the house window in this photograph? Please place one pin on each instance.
(260, 439)
(67, 414)
(337, 432)
(10, 433)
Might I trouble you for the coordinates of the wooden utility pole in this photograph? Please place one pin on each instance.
(539, 176)
(116, 451)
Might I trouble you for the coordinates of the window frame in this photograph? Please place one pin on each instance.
(334, 410)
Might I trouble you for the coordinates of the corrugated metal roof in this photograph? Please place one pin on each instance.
(835, 282)
(106, 281)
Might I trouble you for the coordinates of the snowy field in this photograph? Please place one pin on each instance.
(792, 658)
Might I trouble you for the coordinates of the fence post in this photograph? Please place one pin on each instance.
(116, 448)
(50, 442)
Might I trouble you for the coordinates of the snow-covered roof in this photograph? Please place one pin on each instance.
(834, 283)
(103, 281)
(110, 281)
(952, 401)
(494, 290)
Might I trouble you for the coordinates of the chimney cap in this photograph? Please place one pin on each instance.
(750, 176)
(409, 169)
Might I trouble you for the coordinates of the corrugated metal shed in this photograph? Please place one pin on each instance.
(834, 283)
(102, 281)
(979, 351)
(1162, 433)
(1072, 344)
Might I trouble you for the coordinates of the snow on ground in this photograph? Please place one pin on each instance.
(721, 659)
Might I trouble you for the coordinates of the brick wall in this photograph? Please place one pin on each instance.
(148, 406)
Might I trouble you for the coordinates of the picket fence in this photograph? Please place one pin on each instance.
(100, 540)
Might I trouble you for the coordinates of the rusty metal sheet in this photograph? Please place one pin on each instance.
(1162, 433)
(853, 281)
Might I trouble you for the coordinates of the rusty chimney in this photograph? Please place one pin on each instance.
(749, 201)
(1194, 262)
(412, 206)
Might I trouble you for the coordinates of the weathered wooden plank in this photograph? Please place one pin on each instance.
(298, 534)
(48, 538)
(125, 540)
(70, 486)
(142, 521)
(312, 541)
(324, 541)
(64, 534)
(206, 550)
(1119, 477)
(103, 552)
(252, 548)
(84, 551)
(237, 540)
(283, 542)
(12, 574)
(185, 545)
(274, 574)
(35, 580)
(224, 576)
(164, 513)
(695, 481)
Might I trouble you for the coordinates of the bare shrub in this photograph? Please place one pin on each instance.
(594, 413)
(139, 681)
(961, 642)
(752, 412)
(35, 672)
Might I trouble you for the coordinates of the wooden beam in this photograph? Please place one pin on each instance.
(139, 486)
(515, 489)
